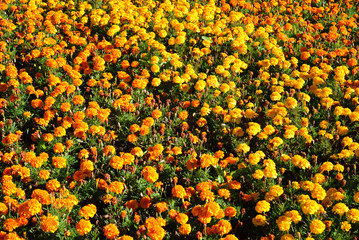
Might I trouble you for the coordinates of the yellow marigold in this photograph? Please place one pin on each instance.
(346, 226)
(340, 209)
(326, 166)
(294, 216)
(310, 207)
(275, 96)
(49, 223)
(60, 132)
(243, 148)
(353, 215)
(258, 174)
(270, 172)
(111, 231)
(259, 220)
(201, 122)
(126, 237)
(52, 185)
(276, 190)
(317, 226)
(262, 206)
(254, 158)
(200, 85)
(253, 128)
(83, 226)
(284, 223)
(287, 237)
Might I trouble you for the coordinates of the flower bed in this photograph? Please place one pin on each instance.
(179, 120)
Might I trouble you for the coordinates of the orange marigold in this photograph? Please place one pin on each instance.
(42, 196)
(59, 162)
(88, 211)
(30, 208)
(150, 174)
(111, 231)
(185, 229)
(116, 187)
(178, 191)
(53, 185)
(83, 226)
(49, 223)
(161, 207)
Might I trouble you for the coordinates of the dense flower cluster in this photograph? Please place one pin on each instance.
(183, 119)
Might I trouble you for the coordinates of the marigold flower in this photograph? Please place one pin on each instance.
(262, 206)
(317, 226)
(116, 187)
(353, 215)
(340, 209)
(111, 231)
(116, 162)
(42, 196)
(88, 211)
(60, 132)
(225, 193)
(161, 207)
(230, 212)
(284, 223)
(10, 224)
(44, 174)
(287, 237)
(65, 107)
(49, 223)
(346, 226)
(150, 174)
(259, 220)
(29, 208)
(59, 162)
(83, 226)
(181, 218)
(78, 99)
(3, 209)
(185, 229)
(53, 185)
(145, 202)
(310, 207)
